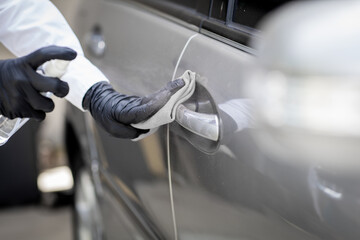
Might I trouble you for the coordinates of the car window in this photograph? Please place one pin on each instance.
(191, 11)
(249, 13)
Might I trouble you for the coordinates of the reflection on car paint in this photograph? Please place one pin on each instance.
(240, 110)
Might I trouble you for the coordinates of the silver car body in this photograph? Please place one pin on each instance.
(176, 184)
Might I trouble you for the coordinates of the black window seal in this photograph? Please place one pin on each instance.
(232, 31)
(183, 13)
(221, 29)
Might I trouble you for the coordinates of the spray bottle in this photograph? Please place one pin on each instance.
(53, 68)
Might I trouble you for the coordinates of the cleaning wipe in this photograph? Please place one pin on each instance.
(167, 113)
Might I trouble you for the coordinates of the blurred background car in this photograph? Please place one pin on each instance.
(22, 215)
(55, 180)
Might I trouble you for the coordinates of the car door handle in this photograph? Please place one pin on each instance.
(202, 124)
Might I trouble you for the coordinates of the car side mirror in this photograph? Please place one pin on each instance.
(309, 67)
(307, 84)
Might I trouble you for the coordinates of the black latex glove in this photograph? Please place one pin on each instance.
(20, 84)
(115, 112)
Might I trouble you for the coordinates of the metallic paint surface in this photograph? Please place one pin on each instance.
(274, 185)
(247, 186)
(141, 53)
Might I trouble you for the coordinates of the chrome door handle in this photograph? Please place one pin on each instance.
(95, 42)
(202, 124)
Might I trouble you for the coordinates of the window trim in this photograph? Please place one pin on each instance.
(229, 32)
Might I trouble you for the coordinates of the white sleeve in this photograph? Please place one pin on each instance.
(27, 25)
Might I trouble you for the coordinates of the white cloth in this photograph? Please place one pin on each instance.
(27, 25)
(167, 113)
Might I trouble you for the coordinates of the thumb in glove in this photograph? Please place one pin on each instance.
(21, 85)
(115, 112)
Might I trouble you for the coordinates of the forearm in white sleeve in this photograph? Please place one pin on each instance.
(27, 25)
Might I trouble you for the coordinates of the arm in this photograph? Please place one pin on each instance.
(27, 25)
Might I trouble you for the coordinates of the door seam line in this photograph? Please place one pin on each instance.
(182, 53)
(168, 144)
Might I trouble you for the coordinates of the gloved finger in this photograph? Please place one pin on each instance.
(39, 102)
(120, 130)
(49, 84)
(141, 109)
(28, 112)
(151, 104)
(164, 94)
(45, 54)
(136, 112)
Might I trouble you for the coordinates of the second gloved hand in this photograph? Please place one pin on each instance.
(21, 85)
(115, 112)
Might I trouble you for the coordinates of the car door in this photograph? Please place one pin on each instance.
(218, 186)
(220, 191)
(228, 188)
(240, 186)
(137, 49)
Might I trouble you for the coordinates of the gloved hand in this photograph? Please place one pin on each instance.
(20, 84)
(115, 112)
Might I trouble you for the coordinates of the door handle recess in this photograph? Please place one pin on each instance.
(202, 124)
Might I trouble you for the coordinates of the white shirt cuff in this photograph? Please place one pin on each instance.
(81, 75)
